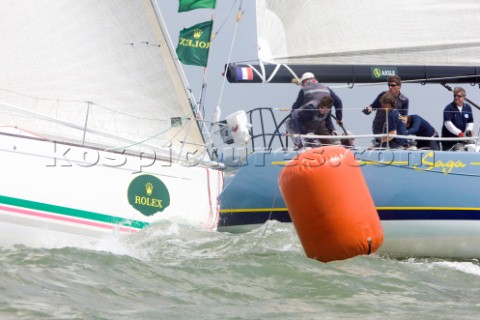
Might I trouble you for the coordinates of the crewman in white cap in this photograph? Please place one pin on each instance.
(312, 90)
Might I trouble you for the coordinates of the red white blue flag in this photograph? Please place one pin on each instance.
(244, 73)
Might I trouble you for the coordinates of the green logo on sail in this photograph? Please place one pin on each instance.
(148, 194)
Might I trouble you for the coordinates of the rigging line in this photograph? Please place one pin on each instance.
(235, 30)
(68, 124)
(291, 71)
(77, 101)
(226, 18)
(262, 74)
(38, 98)
(266, 224)
(403, 81)
(151, 137)
(212, 38)
(274, 72)
(438, 78)
(203, 92)
(187, 131)
(204, 89)
(218, 109)
(204, 147)
(468, 100)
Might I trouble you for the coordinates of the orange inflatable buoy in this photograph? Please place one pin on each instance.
(330, 205)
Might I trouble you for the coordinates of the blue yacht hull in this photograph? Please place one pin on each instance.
(427, 200)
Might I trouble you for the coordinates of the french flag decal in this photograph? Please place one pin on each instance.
(244, 74)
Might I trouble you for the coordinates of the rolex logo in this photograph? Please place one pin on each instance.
(149, 188)
(197, 33)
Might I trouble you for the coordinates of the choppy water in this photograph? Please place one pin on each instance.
(176, 272)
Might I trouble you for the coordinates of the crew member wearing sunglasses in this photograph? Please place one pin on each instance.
(457, 119)
(401, 104)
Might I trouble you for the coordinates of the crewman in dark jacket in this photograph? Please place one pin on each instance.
(401, 104)
(312, 90)
(312, 119)
(420, 127)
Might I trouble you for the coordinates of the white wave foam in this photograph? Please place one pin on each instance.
(466, 267)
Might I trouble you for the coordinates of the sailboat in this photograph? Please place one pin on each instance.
(427, 200)
(98, 132)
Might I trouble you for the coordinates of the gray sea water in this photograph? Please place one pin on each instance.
(171, 271)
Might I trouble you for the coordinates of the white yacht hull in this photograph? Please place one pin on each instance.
(58, 191)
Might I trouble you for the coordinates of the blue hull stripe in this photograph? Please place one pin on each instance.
(230, 219)
(434, 214)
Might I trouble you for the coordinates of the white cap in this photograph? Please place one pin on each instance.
(307, 75)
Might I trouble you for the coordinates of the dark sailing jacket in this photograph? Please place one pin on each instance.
(401, 104)
(316, 91)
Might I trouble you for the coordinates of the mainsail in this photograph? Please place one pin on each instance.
(365, 40)
(93, 72)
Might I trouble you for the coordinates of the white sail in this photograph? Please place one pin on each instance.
(100, 65)
(82, 81)
(409, 32)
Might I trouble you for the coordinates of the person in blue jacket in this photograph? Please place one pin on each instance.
(394, 124)
(457, 119)
(401, 104)
(420, 127)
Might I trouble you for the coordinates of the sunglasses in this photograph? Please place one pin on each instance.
(392, 84)
(457, 96)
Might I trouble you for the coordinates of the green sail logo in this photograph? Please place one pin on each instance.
(148, 195)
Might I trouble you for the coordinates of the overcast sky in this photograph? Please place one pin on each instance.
(425, 100)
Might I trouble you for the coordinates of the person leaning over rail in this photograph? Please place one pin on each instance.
(312, 119)
(312, 90)
(395, 123)
(420, 127)
(401, 104)
(457, 119)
